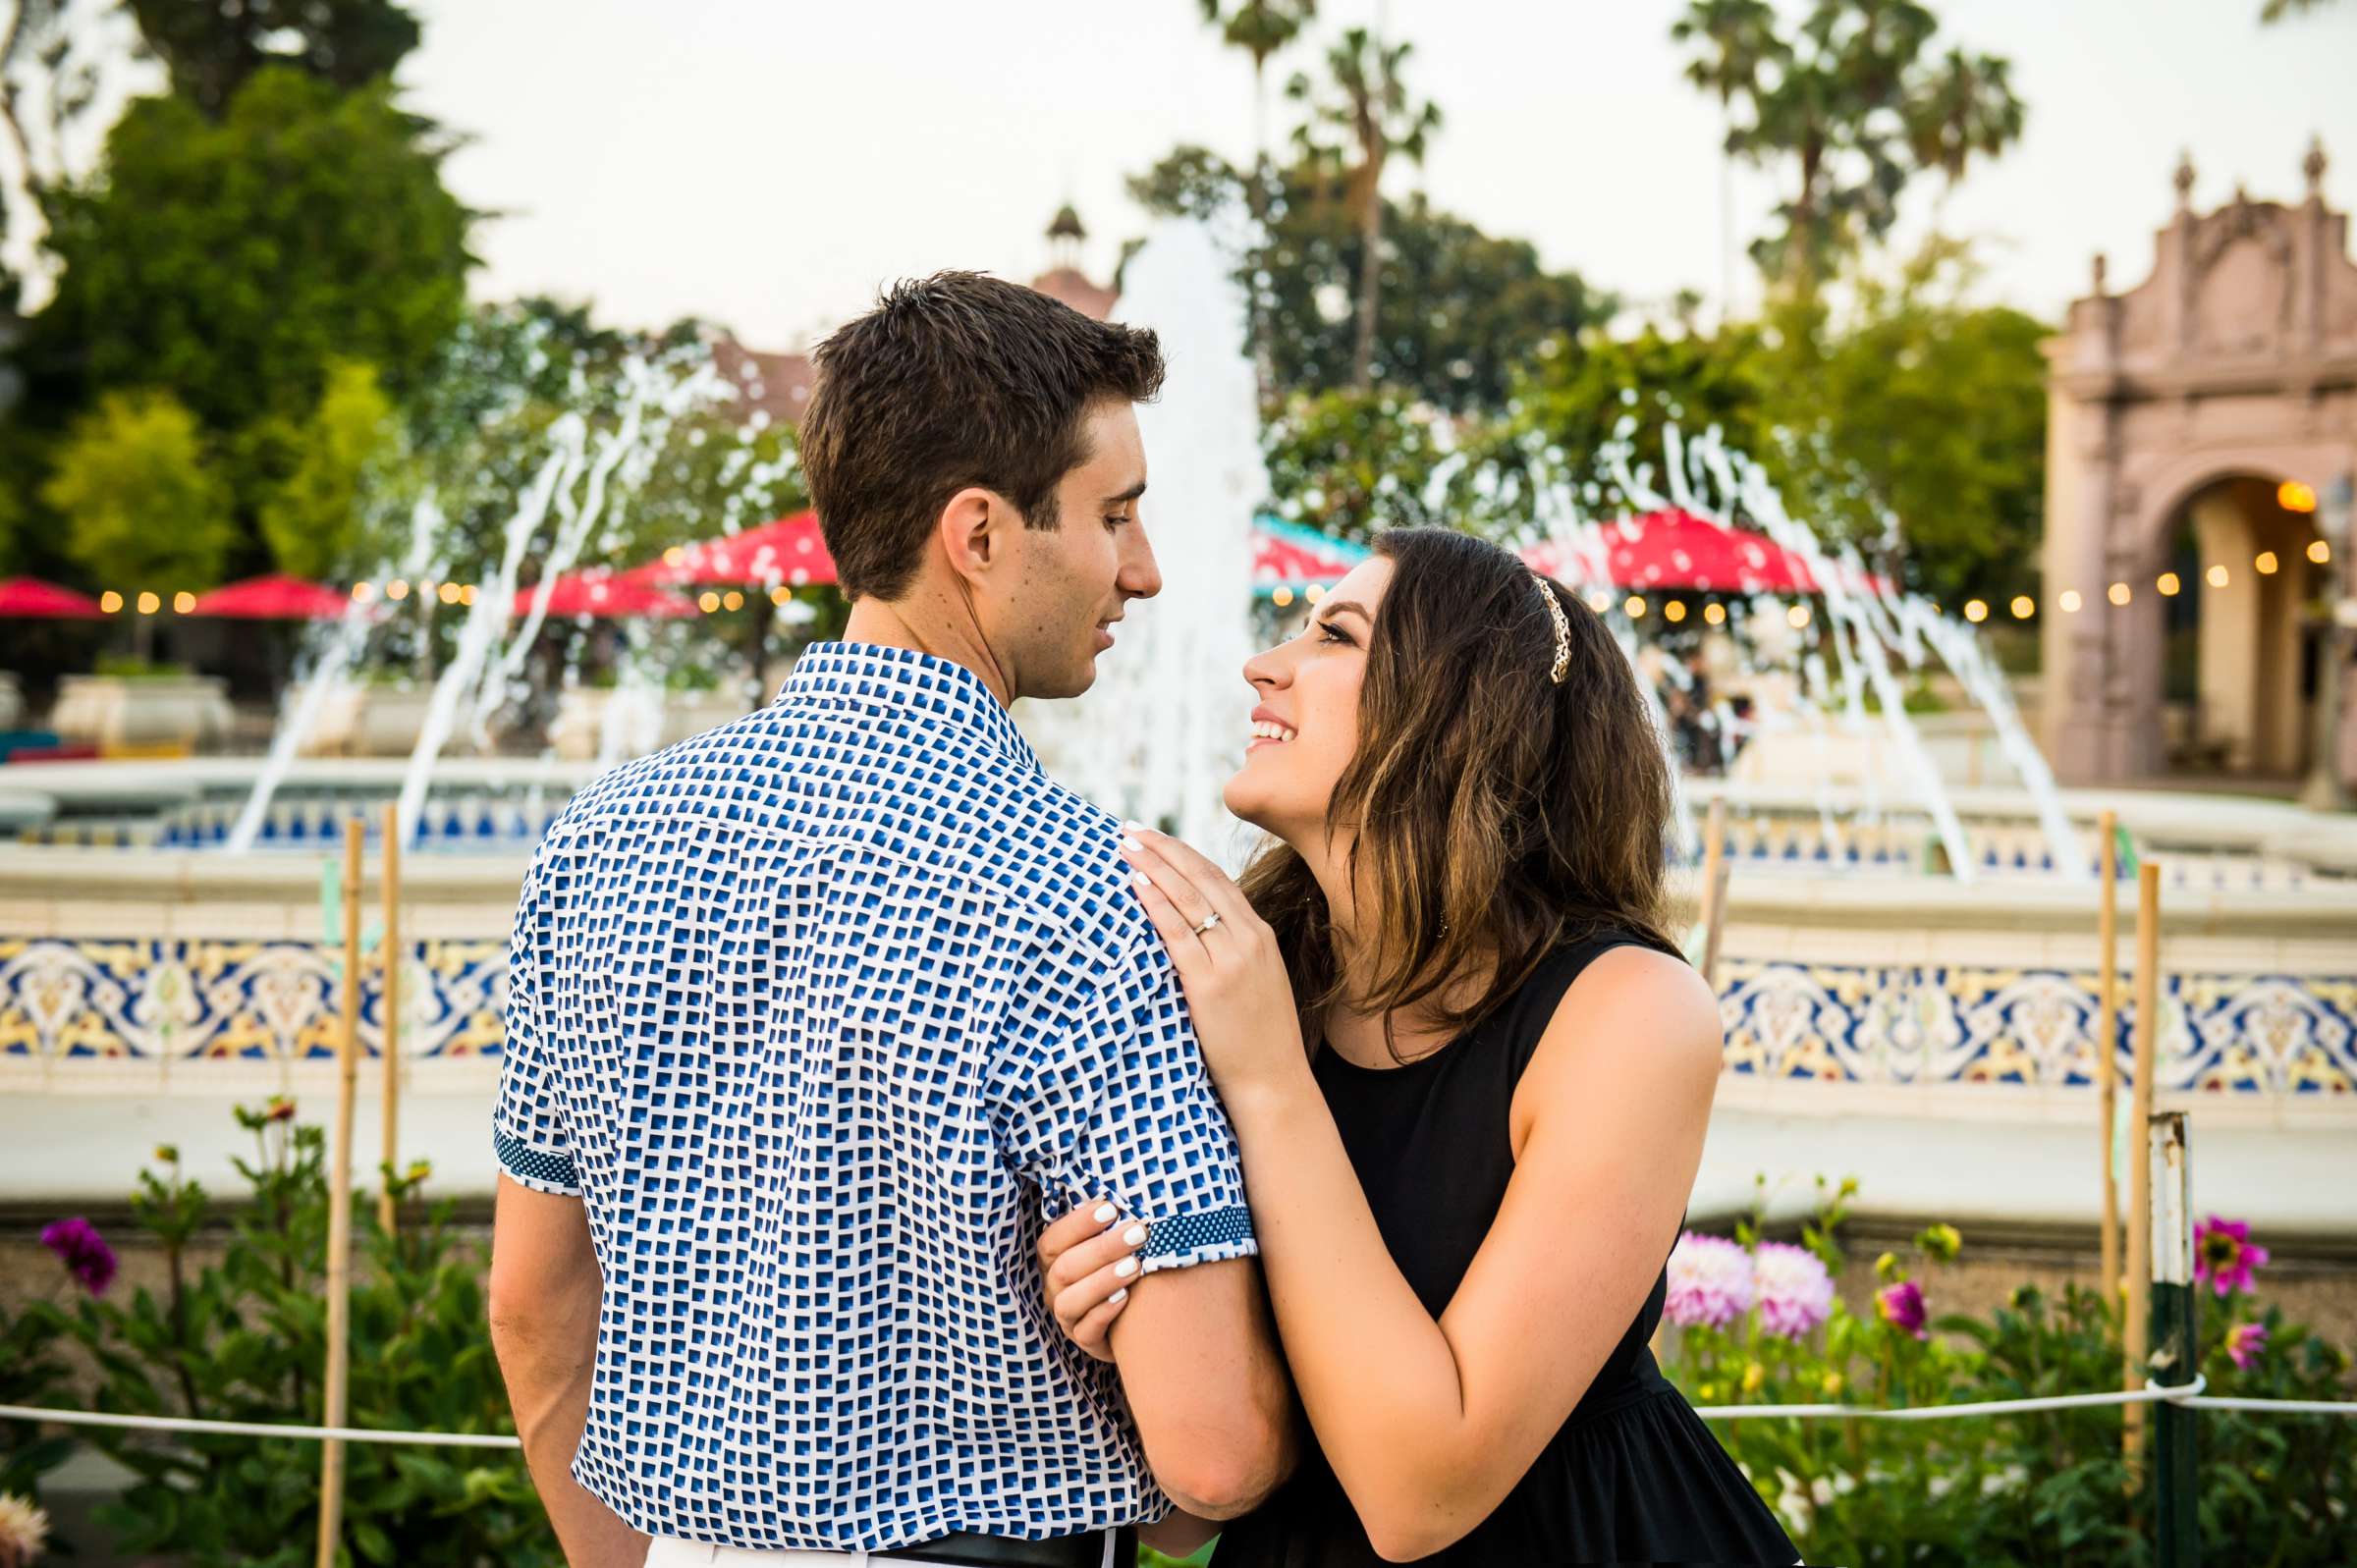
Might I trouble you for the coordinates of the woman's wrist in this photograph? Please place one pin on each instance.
(1272, 1091)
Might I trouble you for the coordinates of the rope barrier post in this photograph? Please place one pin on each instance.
(2106, 1047)
(2174, 1351)
(338, 1206)
(1714, 890)
(390, 1011)
(2134, 1324)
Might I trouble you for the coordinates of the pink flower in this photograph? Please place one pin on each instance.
(1901, 1307)
(2245, 1343)
(83, 1252)
(1710, 1282)
(1795, 1293)
(2224, 1255)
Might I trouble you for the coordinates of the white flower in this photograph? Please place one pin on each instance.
(23, 1531)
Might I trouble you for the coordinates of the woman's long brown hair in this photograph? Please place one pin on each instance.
(1499, 815)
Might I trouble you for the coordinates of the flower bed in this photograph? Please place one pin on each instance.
(1749, 1321)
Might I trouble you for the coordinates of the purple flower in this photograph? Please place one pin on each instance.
(83, 1251)
(1901, 1307)
(2224, 1255)
(2245, 1343)
(1710, 1282)
(1795, 1293)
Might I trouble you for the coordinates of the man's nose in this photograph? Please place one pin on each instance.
(1140, 576)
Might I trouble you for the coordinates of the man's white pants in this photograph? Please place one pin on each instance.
(669, 1553)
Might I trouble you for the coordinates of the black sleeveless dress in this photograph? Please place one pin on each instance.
(1634, 1476)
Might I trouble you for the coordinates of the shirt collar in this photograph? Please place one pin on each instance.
(894, 684)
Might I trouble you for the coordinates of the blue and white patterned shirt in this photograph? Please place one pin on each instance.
(822, 1013)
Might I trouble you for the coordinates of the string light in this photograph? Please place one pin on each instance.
(2119, 593)
(1315, 592)
(1635, 607)
(2070, 601)
(396, 589)
(733, 599)
(1976, 611)
(675, 554)
(183, 602)
(447, 593)
(363, 592)
(778, 595)
(2318, 551)
(2024, 607)
(2169, 584)
(707, 601)
(2293, 495)
(1282, 597)
(2217, 576)
(2266, 563)
(110, 601)
(467, 594)
(1714, 612)
(149, 604)
(1797, 616)
(1674, 611)
(1599, 600)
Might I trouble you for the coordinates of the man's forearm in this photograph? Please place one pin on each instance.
(550, 1394)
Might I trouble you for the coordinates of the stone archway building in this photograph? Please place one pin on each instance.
(2180, 409)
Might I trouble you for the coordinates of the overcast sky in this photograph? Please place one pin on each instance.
(768, 164)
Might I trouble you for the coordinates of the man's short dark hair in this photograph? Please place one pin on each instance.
(957, 379)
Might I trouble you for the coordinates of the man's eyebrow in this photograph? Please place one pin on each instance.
(1126, 496)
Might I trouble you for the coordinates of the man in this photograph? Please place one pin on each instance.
(815, 1018)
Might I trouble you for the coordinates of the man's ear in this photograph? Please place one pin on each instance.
(973, 530)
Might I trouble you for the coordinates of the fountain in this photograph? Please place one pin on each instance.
(1872, 1011)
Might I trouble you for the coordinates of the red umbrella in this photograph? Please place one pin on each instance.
(1675, 550)
(602, 592)
(273, 598)
(788, 553)
(30, 599)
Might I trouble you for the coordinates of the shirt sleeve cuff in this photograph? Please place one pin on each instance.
(1184, 1240)
(533, 1168)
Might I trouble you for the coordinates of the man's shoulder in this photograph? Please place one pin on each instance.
(1060, 855)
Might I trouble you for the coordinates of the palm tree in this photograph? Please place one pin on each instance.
(1965, 110)
(1735, 42)
(1371, 107)
(1260, 28)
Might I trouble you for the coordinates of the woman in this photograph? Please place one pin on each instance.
(1469, 1075)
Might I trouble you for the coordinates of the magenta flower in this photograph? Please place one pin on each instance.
(2245, 1343)
(1710, 1282)
(83, 1252)
(1795, 1293)
(2224, 1255)
(1901, 1307)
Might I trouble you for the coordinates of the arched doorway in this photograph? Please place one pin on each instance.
(2241, 579)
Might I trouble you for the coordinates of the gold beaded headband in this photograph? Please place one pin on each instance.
(1562, 632)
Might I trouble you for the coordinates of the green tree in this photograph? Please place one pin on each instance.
(1460, 311)
(1358, 121)
(315, 520)
(56, 66)
(142, 505)
(233, 263)
(1922, 412)
(1850, 106)
(1734, 41)
(213, 47)
(1351, 463)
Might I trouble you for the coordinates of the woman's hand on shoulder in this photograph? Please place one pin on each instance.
(1227, 958)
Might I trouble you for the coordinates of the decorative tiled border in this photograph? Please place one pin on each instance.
(1911, 1024)
(197, 1000)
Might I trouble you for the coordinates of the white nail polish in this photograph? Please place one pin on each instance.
(1131, 844)
(1125, 1268)
(1135, 1237)
(1104, 1214)
(1118, 1297)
